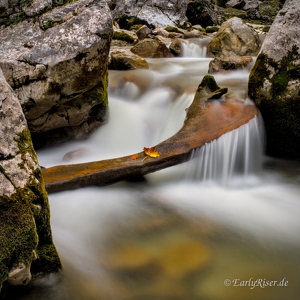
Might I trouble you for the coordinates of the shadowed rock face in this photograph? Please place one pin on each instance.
(56, 62)
(204, 13)
(274, 83)
(25, 234)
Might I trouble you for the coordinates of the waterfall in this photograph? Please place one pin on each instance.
(194, 47)
(232, 159)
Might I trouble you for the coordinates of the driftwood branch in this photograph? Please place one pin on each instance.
(205, 121)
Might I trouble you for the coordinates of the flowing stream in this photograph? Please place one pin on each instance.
(224, 225)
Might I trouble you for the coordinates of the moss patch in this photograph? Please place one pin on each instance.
(20, 231)
(279, 105)
(285, 70)
(123, 36)
(173, 29)
(18, 237)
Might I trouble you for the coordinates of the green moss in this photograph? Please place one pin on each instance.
(20, 231)
(280, 81)
(51, 23)
(98, 98)
(269, 8)
(123, 36)
(18, 237)
(279, 105)
(173, 29)
(233, 12)
(136, 27)
(211, 29)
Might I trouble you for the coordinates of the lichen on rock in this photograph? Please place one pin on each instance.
(24, 231)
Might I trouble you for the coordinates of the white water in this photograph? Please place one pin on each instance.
(225, 199)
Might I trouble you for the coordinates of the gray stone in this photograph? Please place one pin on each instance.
(58, 68)
(122, 59)
(274, 83)
(22, 232)
(238, 4)
(234, 38)
(228, 64)
(151, 48)
(143, 32)
(159, 13)
(251, 4)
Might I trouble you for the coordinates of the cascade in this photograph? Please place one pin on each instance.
(195, 47)
(232, 159)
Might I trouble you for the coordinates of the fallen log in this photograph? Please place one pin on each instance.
(205, 121)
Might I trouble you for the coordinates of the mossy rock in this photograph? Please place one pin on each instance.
(123, 36)
(211, 29)
(280, 103)
(270, 8)
(173, 29)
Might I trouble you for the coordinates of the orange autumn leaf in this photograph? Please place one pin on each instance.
(134, 156)
(151, 152)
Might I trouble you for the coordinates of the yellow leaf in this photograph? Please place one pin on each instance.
(151, 152)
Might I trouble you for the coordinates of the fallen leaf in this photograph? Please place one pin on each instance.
(134, 156)
(151, 152)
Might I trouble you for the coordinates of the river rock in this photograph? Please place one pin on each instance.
(123, 59)
(234, 38)
(228, 64)
(251, 4)
(158, 13)
(125, 35)
(194, 33)
(204, 13)
(23, 231)
(151, 48)
(176, 47)
(143, 32)
(235, 4)
(56, 62)
(274, 83)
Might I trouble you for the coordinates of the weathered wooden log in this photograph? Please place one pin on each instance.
(206, 120)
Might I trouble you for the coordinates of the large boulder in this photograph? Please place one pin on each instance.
(56, 62)
(234, 38)
(158, 13)
(25, 236)
(274, 83)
